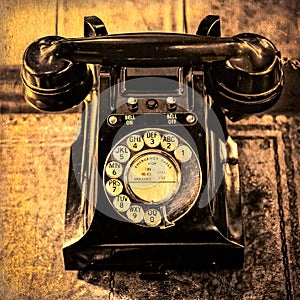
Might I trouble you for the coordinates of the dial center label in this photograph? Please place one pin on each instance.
(153, 177)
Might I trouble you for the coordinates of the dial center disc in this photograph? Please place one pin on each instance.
(153, 176)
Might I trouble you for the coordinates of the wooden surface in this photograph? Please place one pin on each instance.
(24, 21)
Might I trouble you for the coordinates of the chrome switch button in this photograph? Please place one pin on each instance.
(171, 103)
(132, 104)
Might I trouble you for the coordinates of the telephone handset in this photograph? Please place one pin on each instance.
(153, 173)
(243, 72)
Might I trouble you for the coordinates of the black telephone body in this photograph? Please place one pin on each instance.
(153, 177)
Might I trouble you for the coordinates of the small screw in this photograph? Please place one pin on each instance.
(190, 119)
(112, 120)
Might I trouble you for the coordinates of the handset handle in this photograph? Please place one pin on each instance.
(248, 52)
(55, 68)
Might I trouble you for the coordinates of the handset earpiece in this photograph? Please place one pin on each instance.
(250, 82)
(53, 82)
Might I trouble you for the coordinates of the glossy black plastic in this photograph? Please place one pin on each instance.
(244, 71)
(241, 92)
(53, 83)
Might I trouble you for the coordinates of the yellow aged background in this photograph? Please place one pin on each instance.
(34, 158)
(26, 20)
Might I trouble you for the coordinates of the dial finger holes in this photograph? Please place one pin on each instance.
(152, 138)
(121, 203)
(135, 142)
(114, 169)
(169, 142)
(150, 169)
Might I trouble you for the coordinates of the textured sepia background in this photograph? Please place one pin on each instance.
(23, 21)
(34, 152)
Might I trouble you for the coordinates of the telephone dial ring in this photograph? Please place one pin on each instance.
(152, 177)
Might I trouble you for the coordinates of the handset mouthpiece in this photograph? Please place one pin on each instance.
(249, 82)
(254, 54)
(52, 81)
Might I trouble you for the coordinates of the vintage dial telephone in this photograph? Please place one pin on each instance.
(153, 177)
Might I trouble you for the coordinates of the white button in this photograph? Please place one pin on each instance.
(121, 153)
(169, 142)
(152, 217)
(183, 153)
(152, 138)
(135, 142)
(114, 187)
(121, 202)
(135, 213)
(113, 169)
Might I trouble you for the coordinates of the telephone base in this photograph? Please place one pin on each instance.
(155, 257)
(200, 240)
